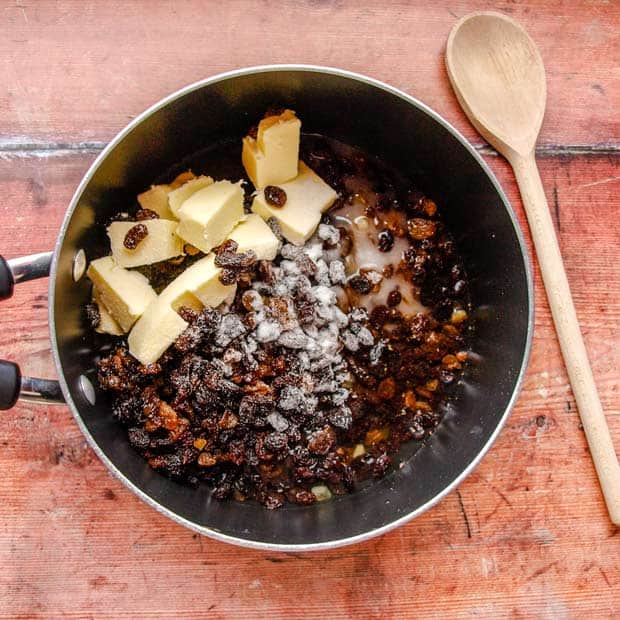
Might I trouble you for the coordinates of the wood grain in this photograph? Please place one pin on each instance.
(525, 536)
(77, 71)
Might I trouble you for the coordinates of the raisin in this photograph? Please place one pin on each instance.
(135, 235)
(360, 284)
(266, 272)
(302, 497)
(305, 312)
(394, 298)
(386, 241)
(138, 438)
(380, 467)
(276, 442)
(275, 196)
(146, 214)
(321, 441)
(226, 256)
(379, 316)
(187, 314)
(229, 276)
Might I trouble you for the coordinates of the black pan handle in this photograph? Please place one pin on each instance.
(12, 384)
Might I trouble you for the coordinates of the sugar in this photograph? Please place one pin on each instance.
(358, 314)
(365, 337)
(291, 398)
(290, 267)
(230, 327)
(293, 339)
(278, 421)
(314, 249)
(340, 318)
(303, 284)
(322, 273)
(328, 233)
(337, 273)
(267, 331)
(324, 295)
(290, 251)
(340, 396)
(341, 417)
(350, 341)
(374, 277)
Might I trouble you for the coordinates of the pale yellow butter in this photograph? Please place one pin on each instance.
(160, 325)
(160, 244)
(154, 332)
(156, 199)
(200, 281)
(307, 197)
(254, 234)
(107, 324)
(178, 196)
(208, 216)
(271, 158)
(125, 294)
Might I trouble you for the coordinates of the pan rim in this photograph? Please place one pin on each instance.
(210, 532)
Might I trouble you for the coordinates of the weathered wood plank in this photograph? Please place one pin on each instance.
(527, 534)
(77, 71)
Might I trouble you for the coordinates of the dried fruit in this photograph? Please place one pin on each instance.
(271, 399)
(360, 284)
(226, 256)
(135, 235)
(275, 196)
(394, 298)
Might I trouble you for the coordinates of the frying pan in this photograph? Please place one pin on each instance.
(366, 114)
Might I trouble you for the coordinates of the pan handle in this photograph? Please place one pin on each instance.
(12, 384)
(22, 269)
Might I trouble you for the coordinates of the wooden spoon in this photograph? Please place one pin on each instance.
(499, 79)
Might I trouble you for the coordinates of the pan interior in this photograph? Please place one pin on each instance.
(407, 137)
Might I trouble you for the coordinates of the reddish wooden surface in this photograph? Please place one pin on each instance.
(525, 536)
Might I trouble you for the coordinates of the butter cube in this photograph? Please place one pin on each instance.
(253, 234)
(125, 294)
(178, 196)
(160, 325)
(156, 199)
(199, 282)
(271, 158)
(154, 332)
(160, 244)
(307, 197)
(209, 215)
(107, 324)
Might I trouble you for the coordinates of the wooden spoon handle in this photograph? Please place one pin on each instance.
(567, 328)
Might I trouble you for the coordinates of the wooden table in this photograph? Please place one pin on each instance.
(526, 535)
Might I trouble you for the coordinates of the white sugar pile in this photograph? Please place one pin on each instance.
(296, 308)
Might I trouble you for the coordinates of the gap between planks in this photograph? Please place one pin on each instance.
(16, 148)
